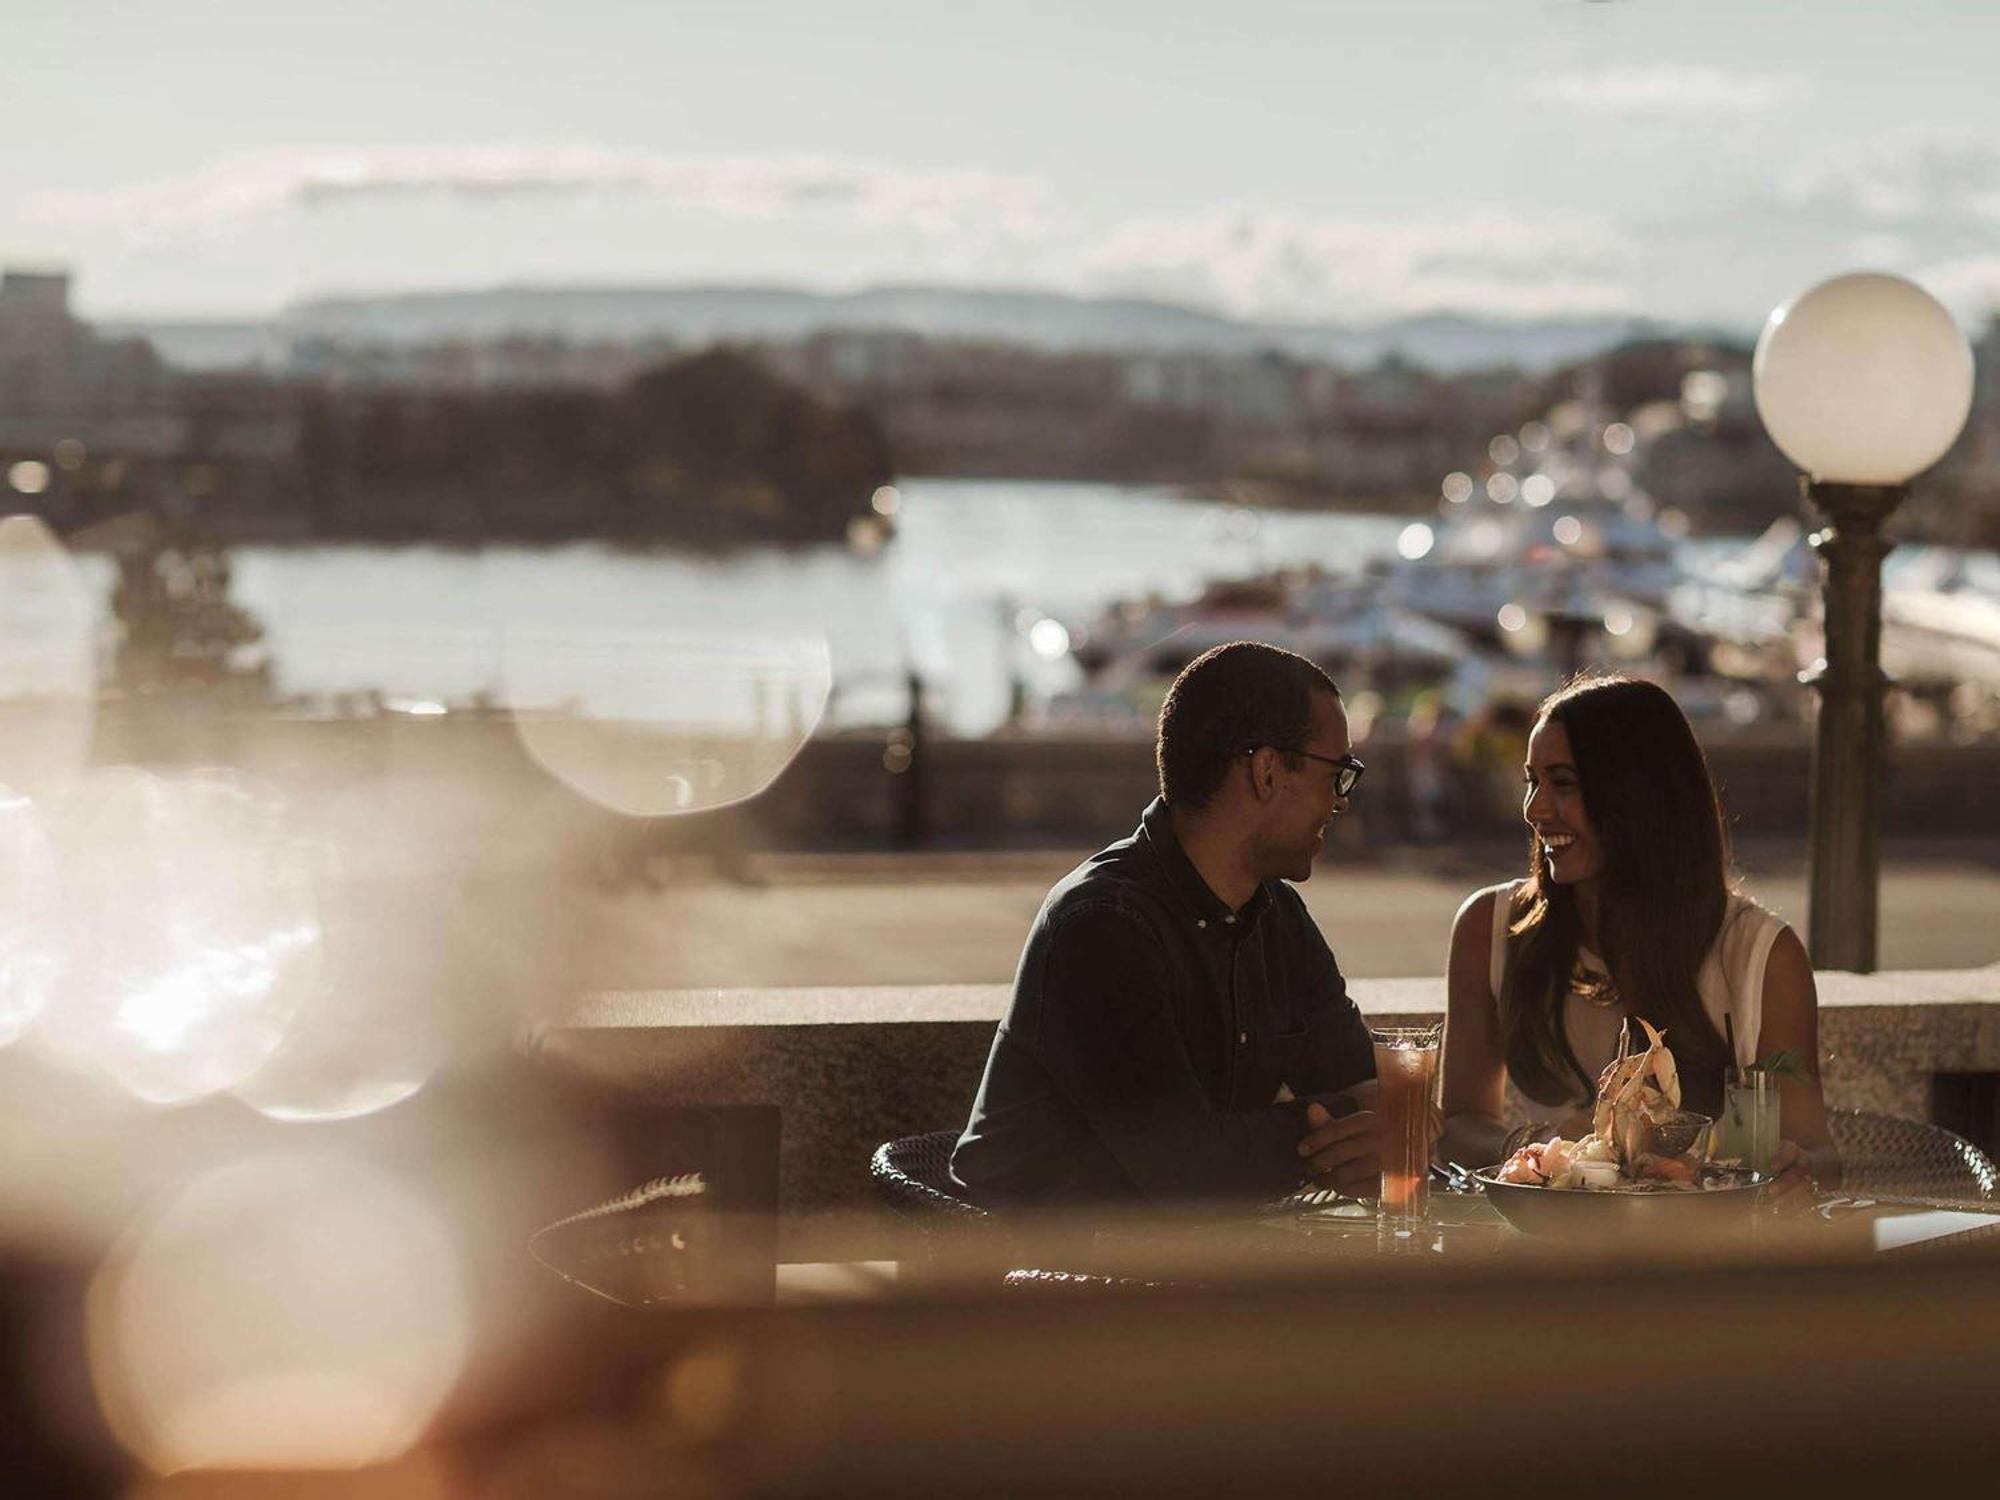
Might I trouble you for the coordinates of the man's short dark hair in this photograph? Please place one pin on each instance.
(1226, 702)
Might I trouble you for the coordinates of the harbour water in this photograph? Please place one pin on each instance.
(953, 598)
(971, 567)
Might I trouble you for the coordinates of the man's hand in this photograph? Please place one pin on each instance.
(1344, 1154)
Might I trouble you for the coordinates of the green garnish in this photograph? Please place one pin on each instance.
(1787, 1062)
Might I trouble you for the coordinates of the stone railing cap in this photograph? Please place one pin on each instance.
(948, 1003)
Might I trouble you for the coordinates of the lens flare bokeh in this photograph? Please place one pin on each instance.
(658, 723)
(48, 658)
(283, 1312)
(29, 912)
(189, 929)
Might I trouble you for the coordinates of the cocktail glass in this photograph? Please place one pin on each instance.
(1747, 1128)
(1406, 1071)
(1680, 1133)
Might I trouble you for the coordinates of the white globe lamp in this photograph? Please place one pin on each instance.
(1863, 382)
(1865, 379)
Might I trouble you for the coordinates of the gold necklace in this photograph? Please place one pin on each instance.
(1592, 986)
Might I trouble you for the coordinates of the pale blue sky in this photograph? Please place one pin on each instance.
(1684, 158)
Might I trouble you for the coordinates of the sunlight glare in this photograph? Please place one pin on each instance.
(191, 929)
(1049, 639)
(1703, 393)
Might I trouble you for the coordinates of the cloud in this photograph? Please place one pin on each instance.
(1918, 179)
(956, 223)
(1262, 264)
(250, 186)
(1921, 203)
(1970, 288)
(1669, 89)
(1915, 201)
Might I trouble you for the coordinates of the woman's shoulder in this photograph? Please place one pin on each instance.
(1749, 933)
(1744, 920)
(1479, 906)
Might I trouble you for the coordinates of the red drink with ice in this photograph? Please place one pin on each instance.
(1406, 1067)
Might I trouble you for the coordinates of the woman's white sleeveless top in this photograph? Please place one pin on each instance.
(1731, 983)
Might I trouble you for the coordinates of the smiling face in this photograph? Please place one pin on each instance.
(1554, 808)
(1305, 802)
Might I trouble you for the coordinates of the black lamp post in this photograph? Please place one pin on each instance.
(1863, 382)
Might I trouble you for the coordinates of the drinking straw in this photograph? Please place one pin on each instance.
(1733, 1069)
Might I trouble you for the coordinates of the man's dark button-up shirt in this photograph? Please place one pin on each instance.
(1150, 1031)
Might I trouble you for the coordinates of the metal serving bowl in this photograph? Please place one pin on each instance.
(1615, 1213)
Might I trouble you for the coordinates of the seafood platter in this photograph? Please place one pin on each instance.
(1643, 1170)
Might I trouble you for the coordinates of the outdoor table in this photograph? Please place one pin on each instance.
(1314, 1232)
(1894, 1225)
(1310, 1230)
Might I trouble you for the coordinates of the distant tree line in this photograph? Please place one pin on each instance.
(787, 442)
(1296, 431)
(1284, 430)
(710, 449)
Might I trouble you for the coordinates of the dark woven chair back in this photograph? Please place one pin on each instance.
(954, 1240)
(1034, 1279)
(1887, 1156)
(913, 1175)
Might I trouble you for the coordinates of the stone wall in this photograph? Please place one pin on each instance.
(849, 1068)
(842, 792)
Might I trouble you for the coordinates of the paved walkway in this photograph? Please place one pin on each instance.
(960, 918)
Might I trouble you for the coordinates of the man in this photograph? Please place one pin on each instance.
(1179, 1029)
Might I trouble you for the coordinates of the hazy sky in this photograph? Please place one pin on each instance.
(1345, 159)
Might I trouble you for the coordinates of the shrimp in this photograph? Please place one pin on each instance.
(1532, 1165)
(1675, 1169)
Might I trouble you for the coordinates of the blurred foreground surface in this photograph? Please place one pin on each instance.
(1718, 1374)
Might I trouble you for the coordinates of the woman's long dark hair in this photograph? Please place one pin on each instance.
(1662, 894)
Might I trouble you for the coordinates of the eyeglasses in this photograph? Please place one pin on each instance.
(1347, 769)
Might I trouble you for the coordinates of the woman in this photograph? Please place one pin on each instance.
(1627, 911)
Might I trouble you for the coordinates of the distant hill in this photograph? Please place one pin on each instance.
(699, 315)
